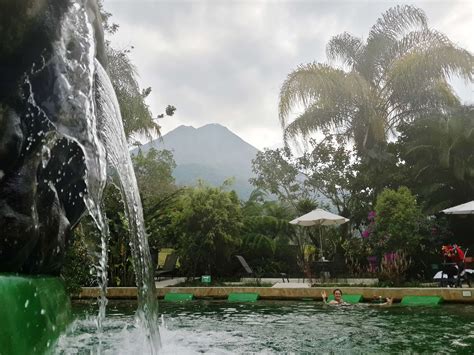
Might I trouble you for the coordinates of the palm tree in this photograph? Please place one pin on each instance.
(136, 115)
(400, 72)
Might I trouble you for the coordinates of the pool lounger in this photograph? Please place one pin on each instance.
(243, 297)
(179, 297)
(421, 300)
(353, 299)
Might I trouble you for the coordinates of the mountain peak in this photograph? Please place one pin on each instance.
(213, 125)
(211, 152)
(183, 128)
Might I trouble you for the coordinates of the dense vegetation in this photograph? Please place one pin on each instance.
(398, 147)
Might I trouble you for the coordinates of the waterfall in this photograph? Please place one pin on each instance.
(118, 156)
(70, 110)
(83, 108)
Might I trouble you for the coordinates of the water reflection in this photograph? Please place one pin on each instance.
(218, 327)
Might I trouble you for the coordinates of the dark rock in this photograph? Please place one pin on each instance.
(41, 172)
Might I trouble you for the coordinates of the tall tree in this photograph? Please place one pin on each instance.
(154, 172)
(207, 223)
(329, 170)
(276, 172)
(438, 157)
(398, 73)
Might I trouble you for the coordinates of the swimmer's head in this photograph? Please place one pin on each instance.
(337, 295)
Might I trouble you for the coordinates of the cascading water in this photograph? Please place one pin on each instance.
(112, 134)
(82, 84)
(75, 57)
(71, 110)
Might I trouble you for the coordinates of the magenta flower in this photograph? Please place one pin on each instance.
(372, 259)
(373, 263)
(371, 216)
(390, 257)
(366, 233)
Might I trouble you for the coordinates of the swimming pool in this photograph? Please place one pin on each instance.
(219, 327)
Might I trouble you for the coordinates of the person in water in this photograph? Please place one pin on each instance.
(337, 297)
(339, 301)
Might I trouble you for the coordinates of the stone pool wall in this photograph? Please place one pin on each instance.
(464, 295)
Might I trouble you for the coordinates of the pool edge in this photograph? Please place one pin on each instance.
(457, 295)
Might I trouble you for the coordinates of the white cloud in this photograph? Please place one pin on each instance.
(224, 61)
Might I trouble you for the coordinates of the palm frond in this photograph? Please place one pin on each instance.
(367, 127)
(398, 20)
(331, 97)
(320, 83)
(423, 39)
(136, 115)
(369, 64)
(344, 47)
(121, 70)
(451, 60)
(400, 74)
(306, 84)
(418, 80)
(316, 118)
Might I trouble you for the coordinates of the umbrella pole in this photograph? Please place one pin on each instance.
(321, 242)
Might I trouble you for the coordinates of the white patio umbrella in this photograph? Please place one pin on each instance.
(465, 208)
(319, 217)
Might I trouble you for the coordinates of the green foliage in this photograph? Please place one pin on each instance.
(154, 177)
(276, 173)
(266, 236)
(78, 264)
(398, 220)
(120, 266)
(356, 250)
(393, 268)
(154, 172)
(156, 184)
(158, 192)
(159, 216)
(207, 222)
(400, 72)
(438, 156)
(109, 27)
(329, 170)
(373, 173)
(136, 115)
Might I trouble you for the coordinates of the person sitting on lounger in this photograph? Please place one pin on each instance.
(453, 264)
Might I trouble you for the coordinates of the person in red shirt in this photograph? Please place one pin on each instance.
(453, 253)
(454, 262)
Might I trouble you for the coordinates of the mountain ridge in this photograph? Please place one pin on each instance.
(212, 153)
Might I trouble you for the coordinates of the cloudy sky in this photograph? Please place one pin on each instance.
(224, 61)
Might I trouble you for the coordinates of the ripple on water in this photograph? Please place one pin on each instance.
(275, 327)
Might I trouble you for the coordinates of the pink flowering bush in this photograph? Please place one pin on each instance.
(393, 268)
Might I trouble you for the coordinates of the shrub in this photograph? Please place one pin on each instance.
(397, 222)
(393, 268)
(77, 267)
(207, 222)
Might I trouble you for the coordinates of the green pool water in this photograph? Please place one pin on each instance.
(218, 327)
